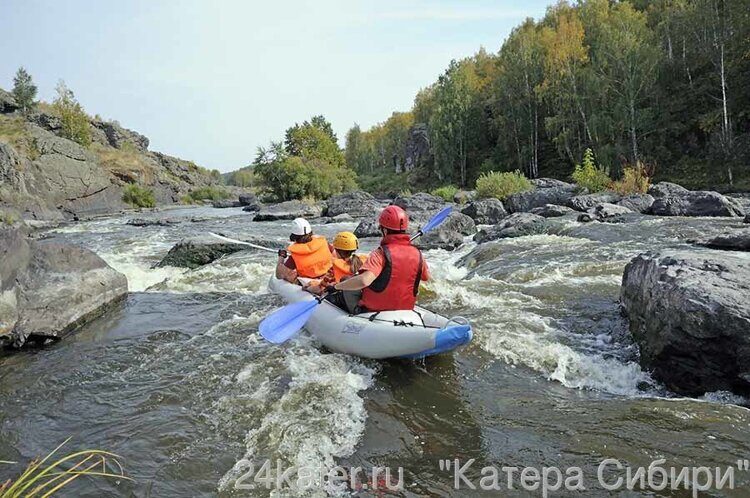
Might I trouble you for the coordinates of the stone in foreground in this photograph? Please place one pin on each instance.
(485, 211)
(689, 311)
(195, 252)
(739, 240)
(515, 225)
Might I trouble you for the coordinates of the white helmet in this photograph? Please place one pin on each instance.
(300, 226)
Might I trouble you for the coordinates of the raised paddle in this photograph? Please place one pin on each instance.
(242, 242)
(284, 323)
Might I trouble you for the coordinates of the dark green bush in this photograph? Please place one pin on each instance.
(138, 196)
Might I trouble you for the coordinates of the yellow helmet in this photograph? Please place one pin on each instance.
(346, 241)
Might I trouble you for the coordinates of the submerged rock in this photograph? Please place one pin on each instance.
(485, 211)
(515, 225)
(551, 211)
(747, 218)
(639, 203)
(588, 201)
(50, 288)
(738, 240)
(196, 252)
(449, 235)
(522, 202)
(288, 210)
(141, 222)
(700, 203)
(356, 204)
(689, 312)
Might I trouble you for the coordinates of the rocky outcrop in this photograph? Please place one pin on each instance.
(639, 203)
(588, 201)
(367, 228)
(666, 189)
(696, 203)
(288, 210)
(515, 225)
(7, 102)
(747, 218)
(551, 211)
(198, 251)
(604, 212)
(163, 222)
(485, 211)
(119, 137)
(249, 201)
(421, 206)
(358, 204)
(689, 312)
(417, 150)
(50, 288)
(559, 193)
(738, 240)
(449, 234)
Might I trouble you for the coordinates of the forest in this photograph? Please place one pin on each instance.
(663, 84)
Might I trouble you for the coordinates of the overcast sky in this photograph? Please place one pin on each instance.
(212, 80)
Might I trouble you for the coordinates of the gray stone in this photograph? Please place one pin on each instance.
(747, 218)
(7, 102)
(357, 204)
(666, 189)
(551, 211)
(639, 203)
(738, 240)
(526, 201)
(588, 201)
(198, 251)
(606, 211)
(449, 234)
(367, 228)
(464, 196)
(485, 211)
(515, 225)
(700, 203)
(689, 312)
(163, 222)
(552, 183)
(118, 137)
(288, 210)
(421, 206)
(249, 201)
(341, 218)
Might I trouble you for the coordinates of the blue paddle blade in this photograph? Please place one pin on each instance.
(437, 219)
(283, 323)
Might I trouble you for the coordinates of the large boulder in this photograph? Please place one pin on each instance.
(50, 288)
(367, 228)
(551, 183)
(700, 203)
(449, 234)
(551, 211)
(515, 225)
(288, 210)
(485, 211)
(639, 203)
(421, 206)
(249, 201)
(588, 201)
(526, 201)
(7, 102)
(604, 212)
(689, 311)
(666, 189)
(738, 240)
(357, 203)
(198, 251)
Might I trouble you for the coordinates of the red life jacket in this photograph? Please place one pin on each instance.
(397, 285)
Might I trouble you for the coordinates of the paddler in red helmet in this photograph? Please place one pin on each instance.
(390, 277)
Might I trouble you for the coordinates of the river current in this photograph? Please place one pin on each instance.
(177, 381)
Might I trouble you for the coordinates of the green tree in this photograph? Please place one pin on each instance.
(24, 90)
(75, 122)
(295, 133)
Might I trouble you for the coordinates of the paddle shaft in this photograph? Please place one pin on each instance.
(242, 242)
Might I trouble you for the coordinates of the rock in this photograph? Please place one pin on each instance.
(367, 228)
(342, 218)
(526, 201)
(357, 204)
(700, 203)
(515, 225)
(226, 203)
(288, 210)
(141, 222)
(7, 102)
(417, 149)
(464, 196)
(639, 203)
(421, 206)
(588, 201)
(50, 288)
(689, 312)
(606, 211)
(738, 240)
(747, 218)
(485, 211)
(118, 137)
(665, 189)
(249, 201)
(449, 234)
(551, 211)
(551, 183)
(196, 252)
(585, 218)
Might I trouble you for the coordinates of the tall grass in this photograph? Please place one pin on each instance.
(43, 478)
(138, 196)
(446, 192)
(501, 185)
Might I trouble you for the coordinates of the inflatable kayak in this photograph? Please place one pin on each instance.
(389, 334)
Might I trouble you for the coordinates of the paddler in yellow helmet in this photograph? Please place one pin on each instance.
(345, 262)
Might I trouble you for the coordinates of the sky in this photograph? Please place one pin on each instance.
(210, 81)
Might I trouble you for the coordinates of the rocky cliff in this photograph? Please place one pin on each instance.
(44, 176)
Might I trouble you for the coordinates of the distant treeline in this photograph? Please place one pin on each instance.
(664, 82)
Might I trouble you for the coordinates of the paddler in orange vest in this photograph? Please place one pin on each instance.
(390, 277)
(309, 256)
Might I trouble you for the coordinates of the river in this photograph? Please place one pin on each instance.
(177, 381)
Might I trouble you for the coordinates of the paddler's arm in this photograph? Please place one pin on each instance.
(356, 282)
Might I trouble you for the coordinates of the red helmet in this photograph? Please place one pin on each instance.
(394, 218)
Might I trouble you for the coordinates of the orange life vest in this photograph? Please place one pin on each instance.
(343, 268)
(312, 259)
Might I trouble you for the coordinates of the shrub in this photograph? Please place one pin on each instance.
(208, 193)
(138, 196)
(24, 90)
(589, 175)
(75, 122)
(501, 185)
(13, 131)
(447, 192)
(635, 179)
(293, 177)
